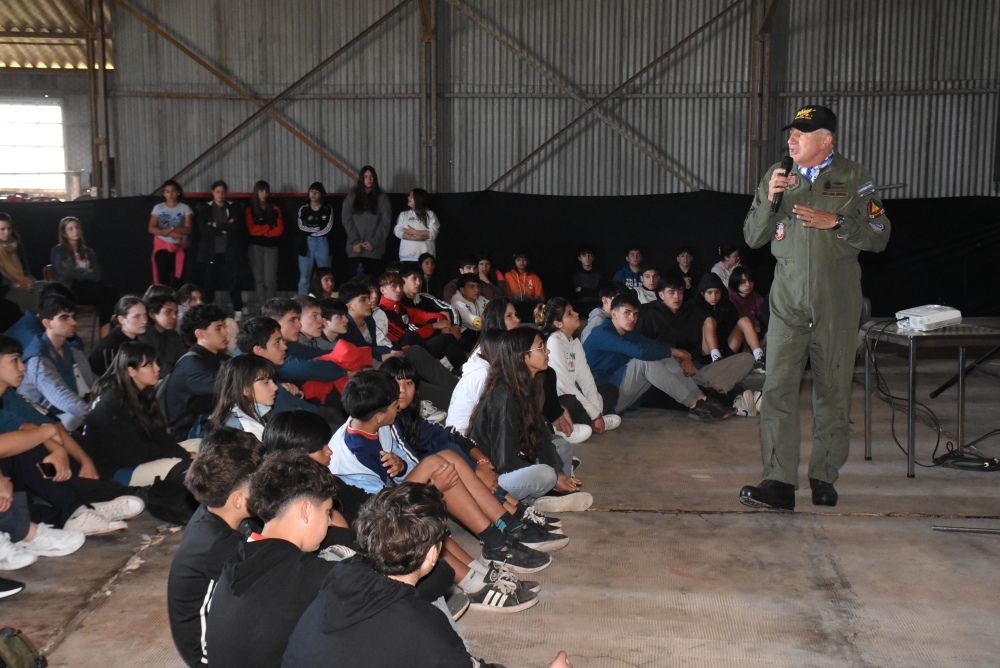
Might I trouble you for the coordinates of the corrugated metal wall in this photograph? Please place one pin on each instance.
(691, 110)
(914, 82)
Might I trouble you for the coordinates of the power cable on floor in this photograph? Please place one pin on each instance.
(967, 460)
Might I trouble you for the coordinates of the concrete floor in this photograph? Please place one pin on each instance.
(667, 568)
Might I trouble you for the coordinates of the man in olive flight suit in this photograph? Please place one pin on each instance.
(829, 212)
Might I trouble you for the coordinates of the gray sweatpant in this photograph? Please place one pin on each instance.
(665, 375)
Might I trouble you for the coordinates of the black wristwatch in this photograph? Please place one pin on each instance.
(840, 223)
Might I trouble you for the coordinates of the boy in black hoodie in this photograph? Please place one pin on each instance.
(721, 321)
(273, 575)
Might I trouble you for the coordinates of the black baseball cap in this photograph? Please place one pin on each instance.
(814, 117)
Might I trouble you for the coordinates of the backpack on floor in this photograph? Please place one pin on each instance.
(16, 651)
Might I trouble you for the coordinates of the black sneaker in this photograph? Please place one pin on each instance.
(518, 558)
(759, 365)
(497, 571)
(534, 516)
(539, 539)
(9, 587)
(502, 596)
(709, 410)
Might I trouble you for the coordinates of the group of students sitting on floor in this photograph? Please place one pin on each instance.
(381, 389)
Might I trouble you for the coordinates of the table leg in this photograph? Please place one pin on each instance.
(961, 399)
(911, 418)
(868, 397)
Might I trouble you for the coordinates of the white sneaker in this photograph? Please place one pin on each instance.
(13, 555)
(757, 400)
(122, 508)
(92, 523)
(431, 413)
(573, 502)
(581, 432)
(746, 404)
(612, 422)
(49, 542)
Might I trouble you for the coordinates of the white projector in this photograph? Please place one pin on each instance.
(926, 318)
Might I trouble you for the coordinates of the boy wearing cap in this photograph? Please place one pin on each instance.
(828, 212)
(315, 223)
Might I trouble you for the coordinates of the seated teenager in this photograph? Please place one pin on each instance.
(721, 322)
(414, 327)
(608, 291)
(586, 281)
(522, 286)
(578, 393)
(219, 478)
(634, 364)
(362, 329)
(125, 432)
(188, 296)
(32, 438)
(629, 275)
(311, 334)
(21, 540)
(414, 298)
(426, 438)
(432, 284)
(161, 331)
(57, 374)
(17, 285)
(499, 316)
(129, 323)
(648, 278)
(676, 323)
(469, 304)
(509, 427)
(262, 338)
(300, 363)
(469, 264)
(322, 284)
(368, 453)
(401, 532)
(75, 266)
(729, 259)
(748, 302)
(246, 391)
(304, 432)
(688, 270)
(273, 575)
(190, 390)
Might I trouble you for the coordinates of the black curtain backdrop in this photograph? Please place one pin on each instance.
(941, 251)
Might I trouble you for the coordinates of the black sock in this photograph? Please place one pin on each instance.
(492, 537)
(508, 523)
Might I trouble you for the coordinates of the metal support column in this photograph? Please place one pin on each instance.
(428, 95)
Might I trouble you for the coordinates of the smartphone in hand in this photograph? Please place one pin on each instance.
(48, 471)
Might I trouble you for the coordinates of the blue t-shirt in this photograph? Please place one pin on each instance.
(17, 411)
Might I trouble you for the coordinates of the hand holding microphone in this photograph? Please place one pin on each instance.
(779, 179)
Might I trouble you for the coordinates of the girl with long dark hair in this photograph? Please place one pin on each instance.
(125, 433)
(417, 228)
(21, 287)
(75, 266)
(508, 425)
(577, 392)
(246, 390)
(130, 321)
(266, 225)
(170, 223)
(366, 216)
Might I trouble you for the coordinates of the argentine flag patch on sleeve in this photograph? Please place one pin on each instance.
(866, 189)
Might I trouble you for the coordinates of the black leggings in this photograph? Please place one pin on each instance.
(579, 414)
(446, 345)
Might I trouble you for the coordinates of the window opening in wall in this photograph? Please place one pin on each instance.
(32, 153)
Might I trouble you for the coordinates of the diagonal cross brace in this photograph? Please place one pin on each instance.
(625, 84)
(567, 89)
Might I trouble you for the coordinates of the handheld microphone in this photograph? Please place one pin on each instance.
(786, 164)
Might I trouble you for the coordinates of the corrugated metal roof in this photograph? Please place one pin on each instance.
(48, 35)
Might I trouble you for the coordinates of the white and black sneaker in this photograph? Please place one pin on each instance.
(539, 539)
(518, 558)
(9, 587)
(432, 413)
(746, 404)
(534, 516)
(502, 596)
(499, 571)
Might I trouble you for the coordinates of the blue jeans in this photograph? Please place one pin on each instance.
(15, 521)
(529, 483)
(319, 252)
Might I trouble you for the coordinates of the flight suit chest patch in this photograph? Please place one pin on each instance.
(834, 189)
(794, 181)
(779, 231)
